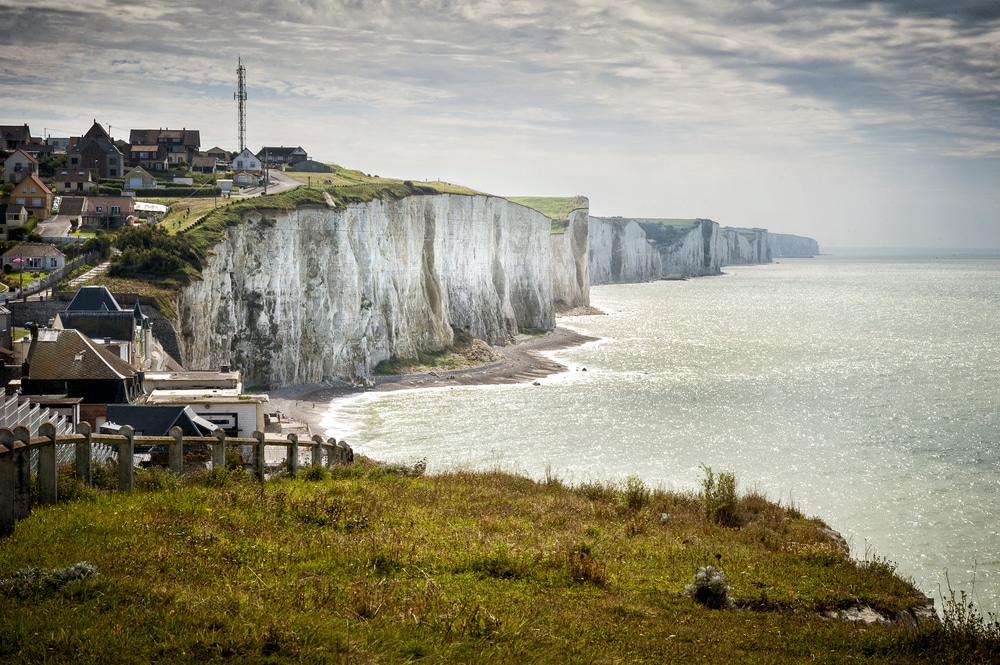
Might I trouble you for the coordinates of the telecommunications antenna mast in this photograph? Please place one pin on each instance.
(241, 96)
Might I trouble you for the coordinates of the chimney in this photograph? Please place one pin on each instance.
(107, 341)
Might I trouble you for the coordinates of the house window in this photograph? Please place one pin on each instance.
(116, 210)
(239, 164)
(97, 209)
(53, 263)
(74, 161)
(36, 203)
(20, 202)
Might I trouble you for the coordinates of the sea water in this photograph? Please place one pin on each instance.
(863, 390)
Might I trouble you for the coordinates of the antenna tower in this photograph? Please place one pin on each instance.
(241, 96)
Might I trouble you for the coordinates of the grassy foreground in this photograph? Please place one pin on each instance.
(382, 564)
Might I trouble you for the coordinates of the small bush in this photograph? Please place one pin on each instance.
(31, 581)
(316, 473)
(719, 497)
(636, 494)
(583, 567)
(710, 588)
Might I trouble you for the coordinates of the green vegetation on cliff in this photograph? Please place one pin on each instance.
(557, 209)
(383, 564)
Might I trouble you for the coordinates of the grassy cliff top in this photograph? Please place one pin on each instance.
(557, 209)
(382, 564)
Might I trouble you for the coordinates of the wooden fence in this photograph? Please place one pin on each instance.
(17, 445)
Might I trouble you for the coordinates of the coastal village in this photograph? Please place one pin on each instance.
(73, 353)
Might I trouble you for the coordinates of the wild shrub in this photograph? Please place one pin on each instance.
(315, 473)
(719, 498)
(710, 588)
(71, 489)
(582, 566)
(635, 494)
(156, 479)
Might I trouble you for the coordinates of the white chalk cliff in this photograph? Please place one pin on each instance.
(636, 250)
(325, 292)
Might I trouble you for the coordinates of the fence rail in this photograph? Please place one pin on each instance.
(17, 446)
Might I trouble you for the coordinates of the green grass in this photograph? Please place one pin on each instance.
(383, 564)
(556, 209)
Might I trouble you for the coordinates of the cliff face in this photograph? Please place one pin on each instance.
(637, 250)
(789, 246)
(570, 266)
(322, 292)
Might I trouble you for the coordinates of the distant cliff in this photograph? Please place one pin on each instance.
(626, 250)
(788, 246)
(322, 292)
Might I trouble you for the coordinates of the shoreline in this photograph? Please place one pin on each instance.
(520, 362)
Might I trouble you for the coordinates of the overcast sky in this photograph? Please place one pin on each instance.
(855, 123)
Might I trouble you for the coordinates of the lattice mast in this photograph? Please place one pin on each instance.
(241, 96)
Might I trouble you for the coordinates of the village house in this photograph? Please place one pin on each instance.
(219, 154)
(106, 212)
(12, 216)
(215, 396)
(13, 137)
(19, 166)
(34, 195)
(67, 362)
(281, 155)
(181, 144)
(33, 256)
(125, 332)
(203, 164)
(152, 157)
(246, 161)
(73, 183)
(96, 151)
(139, 178)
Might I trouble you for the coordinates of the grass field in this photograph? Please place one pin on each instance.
(379, 564)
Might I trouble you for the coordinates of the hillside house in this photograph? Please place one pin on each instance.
(139, 178)
(127, 333)
(219, 154)
(12, 216)
(97, 152)
(67, 362)
(33, 256)
(106, 212)
(246, 161)
(180, 144)
(152, 157)
(203, 164)
(13, 137)
(281, 155)
(74, 183)
(34, 195)
(19, 166)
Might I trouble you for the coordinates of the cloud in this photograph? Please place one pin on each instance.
(771, 83)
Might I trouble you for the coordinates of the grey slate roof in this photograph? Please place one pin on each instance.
(93, 299)
(156, 420)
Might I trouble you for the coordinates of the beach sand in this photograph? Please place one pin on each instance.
(518, 363)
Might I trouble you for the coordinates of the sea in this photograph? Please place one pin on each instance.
(861, 387)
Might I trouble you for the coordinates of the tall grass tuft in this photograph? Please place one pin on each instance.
(719, 497)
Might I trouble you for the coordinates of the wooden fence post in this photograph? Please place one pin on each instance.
(317, 457)
(126, 461)
(22, 464)
(48, 484)
(175, 457)
(84, 456)
(8, 482)
(293, 454)
(219, 450)
(258, 455)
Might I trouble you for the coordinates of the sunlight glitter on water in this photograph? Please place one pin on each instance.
(865, 392)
